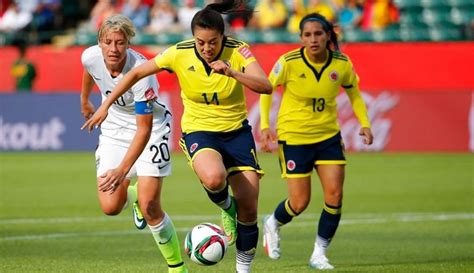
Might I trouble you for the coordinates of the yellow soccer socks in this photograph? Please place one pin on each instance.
(168, 243)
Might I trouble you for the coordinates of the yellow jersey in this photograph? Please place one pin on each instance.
(308, 110)
(212, 102)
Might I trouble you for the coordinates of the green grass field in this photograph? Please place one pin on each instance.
(401, 213)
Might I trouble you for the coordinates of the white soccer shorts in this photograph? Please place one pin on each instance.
(154, 161)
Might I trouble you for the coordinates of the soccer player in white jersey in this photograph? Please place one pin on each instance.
(134, 137)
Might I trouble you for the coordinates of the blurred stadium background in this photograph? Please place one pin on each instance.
(414, 59)
(408, 197)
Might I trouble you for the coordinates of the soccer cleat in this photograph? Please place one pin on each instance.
(320, 262)
(271, 239)
(138, 218)
(229, 222)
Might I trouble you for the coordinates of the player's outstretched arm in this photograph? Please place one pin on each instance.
(125, 84)
(132, 77)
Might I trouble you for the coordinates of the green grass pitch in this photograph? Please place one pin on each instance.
(401, 213)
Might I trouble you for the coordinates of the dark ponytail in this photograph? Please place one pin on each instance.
(225, 6)
(211, 16)
(327, 26)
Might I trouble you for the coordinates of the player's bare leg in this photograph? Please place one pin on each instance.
(299, 196)
(112, 203)
(332, 180)
(160, 224)
(245, 186)
(209, 167)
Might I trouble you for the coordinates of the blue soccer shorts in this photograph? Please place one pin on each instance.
(299, 160)
(237, 148)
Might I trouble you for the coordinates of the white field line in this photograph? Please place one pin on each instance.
(122, 218)
(67, 220)
(354, 219)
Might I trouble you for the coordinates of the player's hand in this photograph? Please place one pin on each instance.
(266, 139)
(112, 179)
(96, 120)
(367, 137)
(87, 109)
(222, 67)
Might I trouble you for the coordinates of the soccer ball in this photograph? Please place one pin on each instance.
(206, 244)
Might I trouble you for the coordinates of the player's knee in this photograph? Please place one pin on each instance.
(299, 205)
(333, 198)
(111, 210)
(214, 180)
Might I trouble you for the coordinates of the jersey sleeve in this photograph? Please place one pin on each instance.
(86, 59)
(165, 60)
(265, 106)
(350, 76)
(276, 77)
(245, 56)
(145, 89)
(278, 74)
(351, 86)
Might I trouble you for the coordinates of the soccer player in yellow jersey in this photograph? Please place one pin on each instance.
(212, 70)
(308, 132)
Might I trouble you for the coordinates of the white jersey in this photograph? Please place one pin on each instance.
(122, 112)
(120, 126)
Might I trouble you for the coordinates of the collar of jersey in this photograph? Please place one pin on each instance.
(206, 66)
(315, 71)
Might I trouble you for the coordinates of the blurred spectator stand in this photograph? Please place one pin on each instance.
(164, 18)
(23, 70)
(269, 14)
(138, 12)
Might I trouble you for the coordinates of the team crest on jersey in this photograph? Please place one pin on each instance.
(290, 165)
(245, 51)
(333, 76)
(150, 94)
(193, 147)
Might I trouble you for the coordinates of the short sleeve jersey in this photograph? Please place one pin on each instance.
(212, 102)
(122, 112)
(308, 111)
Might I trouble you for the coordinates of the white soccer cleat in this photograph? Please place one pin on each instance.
(320, 262)
(271, 239)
